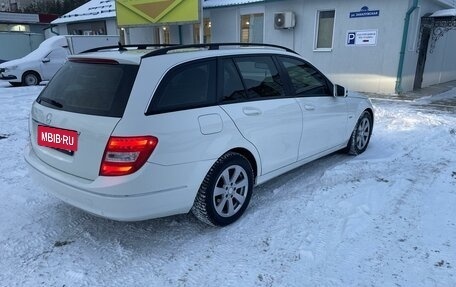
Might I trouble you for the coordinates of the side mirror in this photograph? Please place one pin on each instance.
(45, 60)
(339, 91)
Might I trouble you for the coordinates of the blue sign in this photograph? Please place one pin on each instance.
(365, 12)
(351, 38)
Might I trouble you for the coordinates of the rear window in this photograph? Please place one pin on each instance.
(191, 85)
(92, 89)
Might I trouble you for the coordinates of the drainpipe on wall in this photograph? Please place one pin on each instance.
(404, 45)
(52, 31)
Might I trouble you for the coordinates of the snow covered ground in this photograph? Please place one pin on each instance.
(385, 218)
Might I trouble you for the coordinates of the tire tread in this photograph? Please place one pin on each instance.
(351, 148)
(199, 208)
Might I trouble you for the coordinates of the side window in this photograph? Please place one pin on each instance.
(232, 88)
(306, 80)
(186, 86)
(59, 53)
(260, 76)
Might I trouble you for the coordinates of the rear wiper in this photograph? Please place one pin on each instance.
(50, 101)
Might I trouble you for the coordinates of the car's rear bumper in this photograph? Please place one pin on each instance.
(91, 196)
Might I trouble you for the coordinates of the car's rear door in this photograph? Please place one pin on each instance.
(254, 96)
(324, 116)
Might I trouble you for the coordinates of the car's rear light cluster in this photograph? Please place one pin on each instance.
(125, 155)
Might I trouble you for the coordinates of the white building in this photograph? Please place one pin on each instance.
(21, 33)
(14, 5)
(365, 45)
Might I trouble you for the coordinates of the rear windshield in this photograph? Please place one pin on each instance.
(92, 89)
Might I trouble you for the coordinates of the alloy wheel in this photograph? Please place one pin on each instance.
(231, 190)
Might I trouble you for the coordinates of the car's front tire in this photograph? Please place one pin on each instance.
(31, 79)
(361, 134)
(226, 190)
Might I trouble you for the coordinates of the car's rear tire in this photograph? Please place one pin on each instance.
(361, 134)
(31, 79)
(226, 190)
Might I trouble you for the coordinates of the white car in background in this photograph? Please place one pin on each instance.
(139, 133)
(42, 63)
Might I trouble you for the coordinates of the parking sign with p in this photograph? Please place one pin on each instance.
(351, 37)
(362, 38)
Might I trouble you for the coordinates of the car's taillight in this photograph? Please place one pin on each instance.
(125, 155)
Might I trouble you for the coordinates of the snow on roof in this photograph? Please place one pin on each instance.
(449, 3)
(100, 9)
(444, 13)
(95, 9)
(221, 3)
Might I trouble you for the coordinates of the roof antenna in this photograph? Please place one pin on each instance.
(121, 48)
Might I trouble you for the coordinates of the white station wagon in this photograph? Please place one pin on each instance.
(136, 132)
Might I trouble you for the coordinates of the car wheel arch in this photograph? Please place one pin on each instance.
(359, 141)
(370, 111)
(250, 157)
(360, 108)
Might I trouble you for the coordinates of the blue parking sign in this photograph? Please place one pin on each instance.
(351, 38)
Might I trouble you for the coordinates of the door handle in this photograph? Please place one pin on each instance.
(249, 111)
(309, 107)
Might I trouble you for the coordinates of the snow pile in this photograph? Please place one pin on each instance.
(442, 98)
(384, 218)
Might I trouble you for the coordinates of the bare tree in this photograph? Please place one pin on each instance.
(59, 7)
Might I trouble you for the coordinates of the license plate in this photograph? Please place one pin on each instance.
(58, 138)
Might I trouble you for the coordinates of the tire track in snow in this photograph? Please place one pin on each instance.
(405, 198)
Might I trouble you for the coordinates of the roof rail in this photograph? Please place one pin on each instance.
(212, 46)
(124, 47)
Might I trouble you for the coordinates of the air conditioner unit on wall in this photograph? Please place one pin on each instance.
(284, 20)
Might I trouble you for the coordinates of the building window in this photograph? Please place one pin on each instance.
(165, 35)
(252, 27)
(206, 32)
(14, 28)
(87, 28)
(325, 29)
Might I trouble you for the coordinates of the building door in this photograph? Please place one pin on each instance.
(425, 36)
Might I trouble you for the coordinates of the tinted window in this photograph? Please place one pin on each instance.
(260, 76)
(306, 80)
(187, 86)
(232, 87)
(59, 53)
(93, 89)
